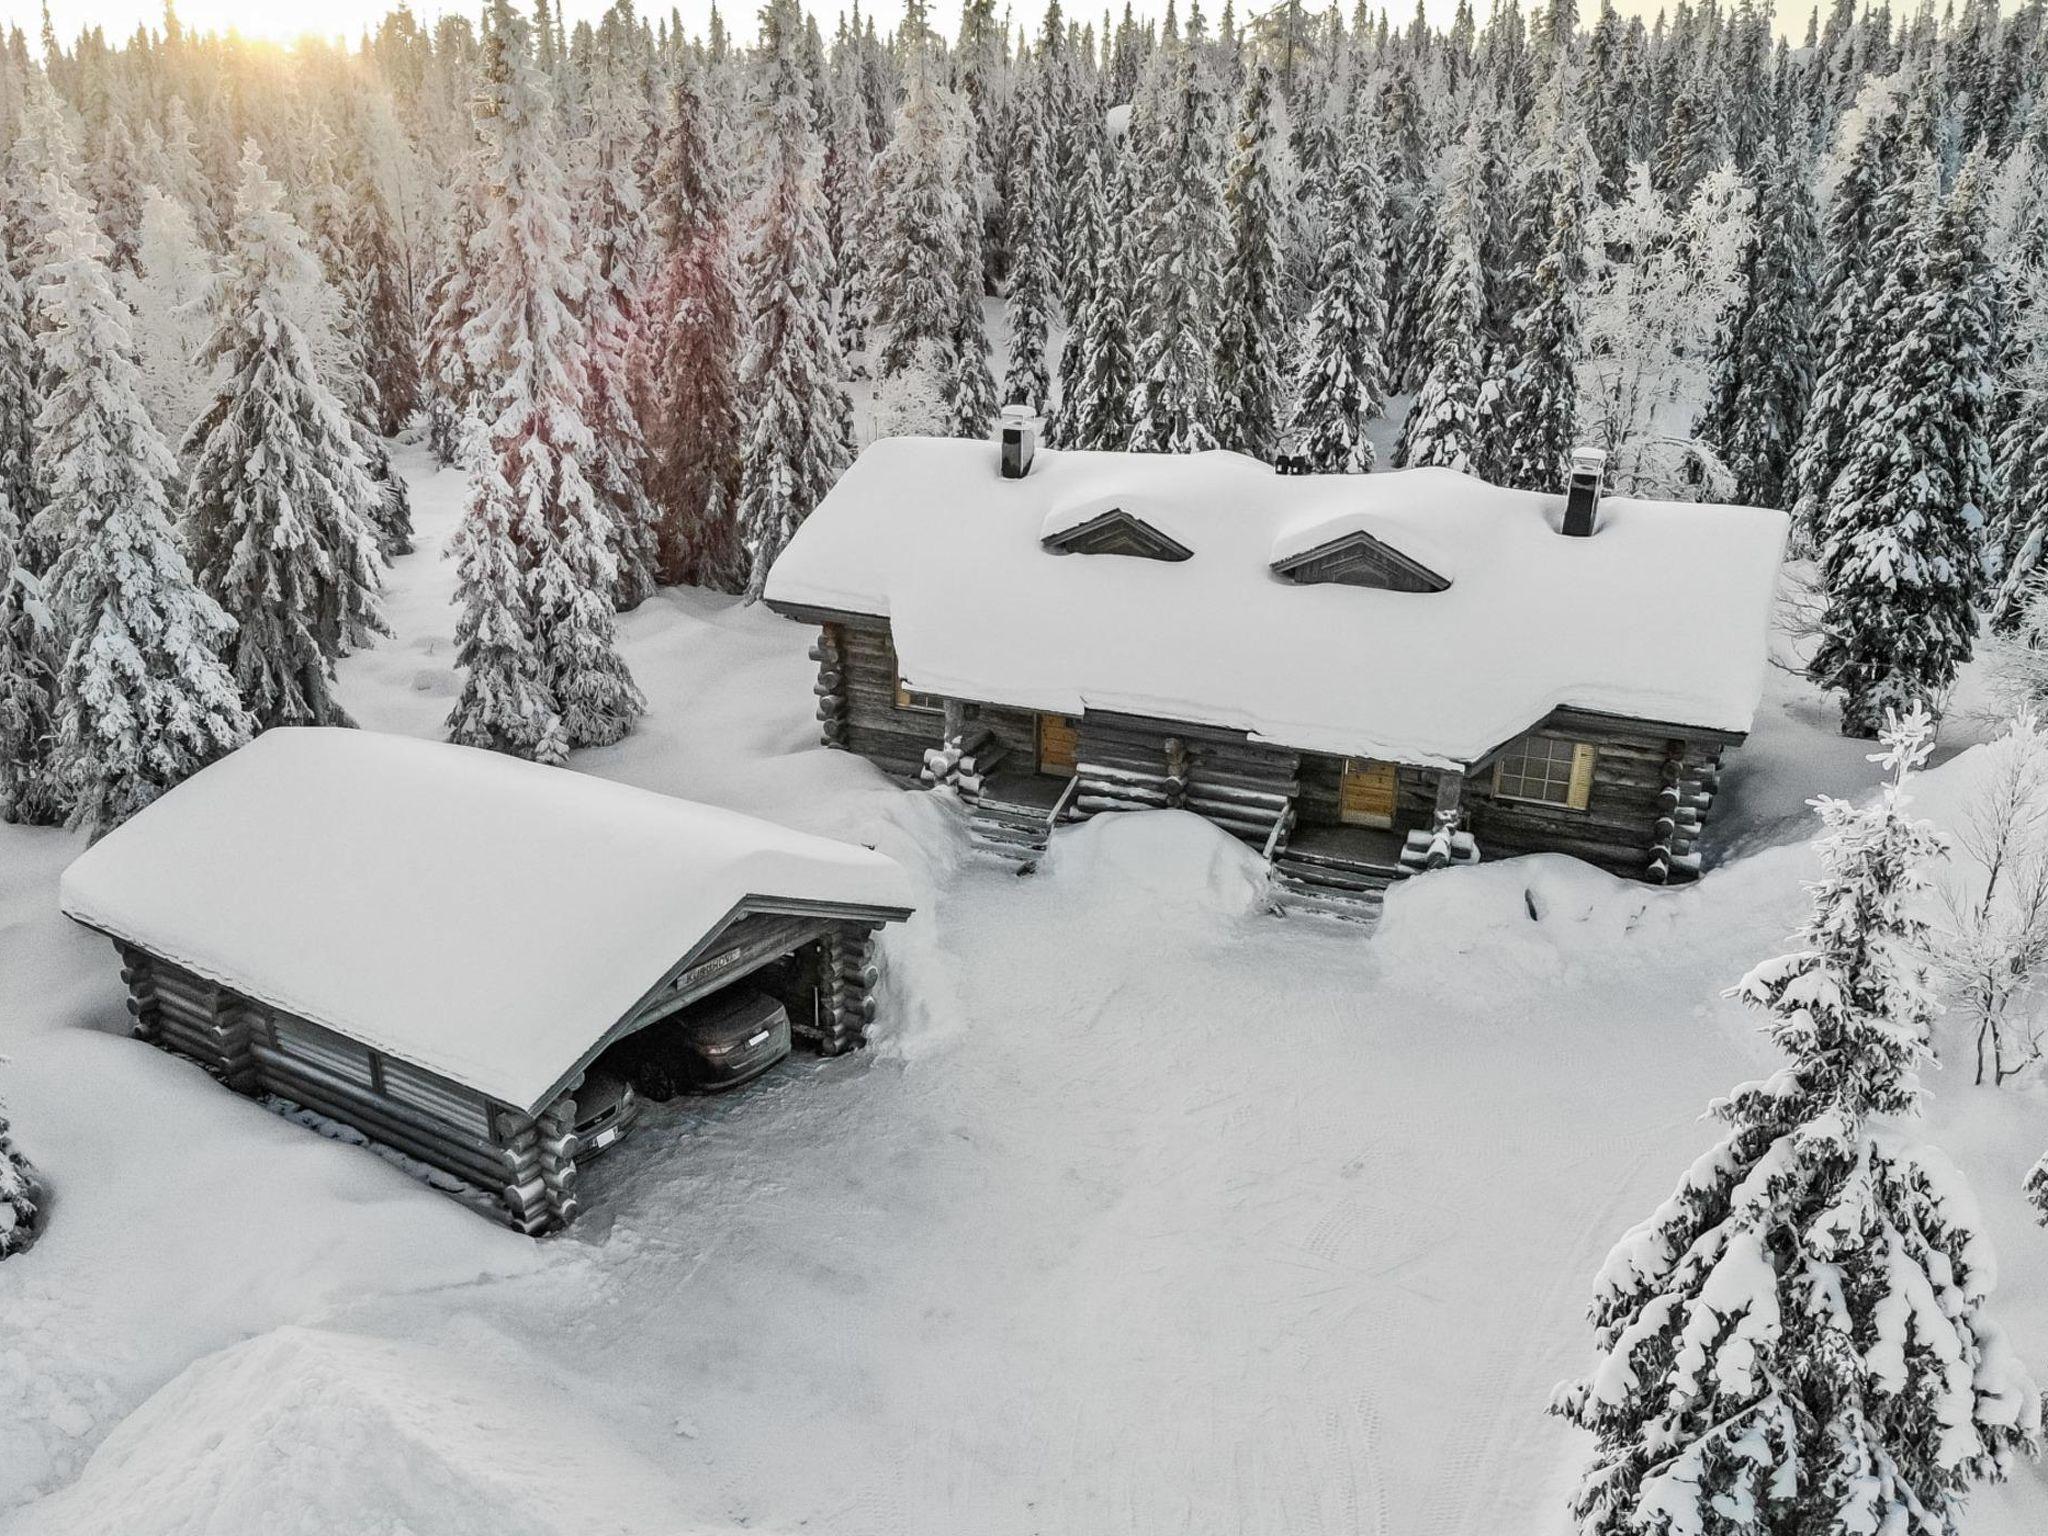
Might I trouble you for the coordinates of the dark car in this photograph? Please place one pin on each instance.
(724, 1041)
(733, 1038)
(605, 1106)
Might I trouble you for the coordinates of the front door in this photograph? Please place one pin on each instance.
(1365, 795)
(1058, 741)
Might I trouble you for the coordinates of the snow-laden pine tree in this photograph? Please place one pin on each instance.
(1251, 338)
(691, 410)
(143, 698)
(2020, 458)
(172, 297)
(527, 343)
(613, 225)
(917, 260)
(1340, 382)
(1178, 244)
(20, 1192)
(1033, 203)
(1448, 417)
(505, 704)
(115, 175)
(28, 640)
(1096, 363)
(448, 378)
(852, 217)
(967, 387)
(801, 435)
(1763, 368)
(1537, 423)
(1864, 221)
(278, 506)
(390, 345)
(1902, 524)
(1797, 1340)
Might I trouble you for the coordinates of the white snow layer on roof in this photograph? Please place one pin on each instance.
(1662, 615)
(484, 918)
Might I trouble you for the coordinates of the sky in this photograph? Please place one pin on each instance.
(282, 20)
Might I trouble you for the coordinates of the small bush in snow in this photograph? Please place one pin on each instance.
(19, 1194)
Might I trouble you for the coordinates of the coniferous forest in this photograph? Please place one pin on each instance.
(630, 278)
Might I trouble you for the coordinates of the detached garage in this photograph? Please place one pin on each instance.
(432, 944)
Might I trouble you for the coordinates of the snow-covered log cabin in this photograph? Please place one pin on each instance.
(1364, 676)
(431, 944)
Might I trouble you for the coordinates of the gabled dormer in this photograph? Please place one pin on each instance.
(1357, 559)
(1116, 532)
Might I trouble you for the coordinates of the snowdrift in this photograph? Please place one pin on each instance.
(304, 1432)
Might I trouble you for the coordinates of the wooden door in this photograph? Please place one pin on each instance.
(1058, 741)
(1366, 794)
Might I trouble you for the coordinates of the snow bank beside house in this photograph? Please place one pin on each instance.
(308, 1432)
(1661, 615)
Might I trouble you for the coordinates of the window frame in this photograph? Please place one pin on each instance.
(910, 700)
(1576, 782)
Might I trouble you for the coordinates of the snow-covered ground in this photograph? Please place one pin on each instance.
(1147, 1212)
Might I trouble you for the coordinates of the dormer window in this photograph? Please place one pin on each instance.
(1117, 532)
(1360, 560)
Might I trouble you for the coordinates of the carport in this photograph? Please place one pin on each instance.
(432, 943)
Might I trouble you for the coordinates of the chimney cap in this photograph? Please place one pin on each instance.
(1589, 461)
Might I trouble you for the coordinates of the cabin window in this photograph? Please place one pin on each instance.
(1547, 771)
(910, 698)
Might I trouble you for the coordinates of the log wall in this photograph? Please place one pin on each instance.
(857, 699)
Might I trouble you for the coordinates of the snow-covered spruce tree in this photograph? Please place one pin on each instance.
(1179, 241)
(691, 410)
(1864, 221)
(1447, 418)
(1763, 368)
(278, 506)
(1797, 1340)
(967, 388)
(1537, 423)
(2020, 458)
(801, 435)
(172, 300)
(613, 225)
(526, 342)
(28, 655)
(143, 698)
(27, 636)
(916, 251)
(1901, 561)
(390, 347)
(1339, 375)
(849, 191)
(115, 175)
(1096, 363)
(448, 377)
(1033, 197)
(505, 704)
(1251, 338)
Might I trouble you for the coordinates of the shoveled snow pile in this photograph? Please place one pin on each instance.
(307, 1432)
(481, 917)
(926, 532)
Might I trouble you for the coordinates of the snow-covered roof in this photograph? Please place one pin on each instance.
(484, 918)
(1662, 615)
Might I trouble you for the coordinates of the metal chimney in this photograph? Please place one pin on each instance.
(1017, 433)
(1582, 495)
